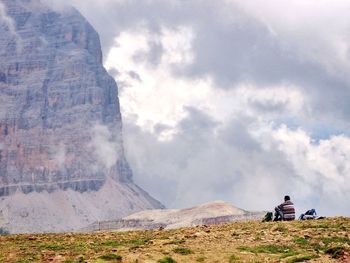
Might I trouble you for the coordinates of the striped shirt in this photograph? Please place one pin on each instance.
(288, 210)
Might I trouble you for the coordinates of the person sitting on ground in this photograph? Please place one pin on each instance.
(285, 211)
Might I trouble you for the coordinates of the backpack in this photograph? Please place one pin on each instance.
(268, 217)
(309, 214)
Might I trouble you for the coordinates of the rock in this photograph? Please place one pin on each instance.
(60, 124)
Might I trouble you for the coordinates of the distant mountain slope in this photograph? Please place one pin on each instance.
(211, 213)
(62, 161)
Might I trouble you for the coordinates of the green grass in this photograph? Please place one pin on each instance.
(135, 243)
(166, 260)
(201, 259)
(301, 241)
(132, 242)
(289, 254)
(280, 229)
(176, 242)
(183, 251)
(301, 258)
(268, 249)
(320, 224)
(329, 240)
(111, 243)
(110, 257)
(233, 258)
(258, 237)
(53, 247)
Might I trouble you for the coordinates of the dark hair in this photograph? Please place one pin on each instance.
(286, 198)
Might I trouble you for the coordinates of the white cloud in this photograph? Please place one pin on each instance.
(155, 96)
(177, 45)
(104, 147)
(325, 164)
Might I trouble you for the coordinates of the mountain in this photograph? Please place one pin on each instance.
(62, 162)
(208, 214)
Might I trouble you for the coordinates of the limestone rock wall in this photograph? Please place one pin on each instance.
(60, 121)
(53, 92)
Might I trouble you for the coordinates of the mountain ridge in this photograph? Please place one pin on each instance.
(60, 124)
(212, 213)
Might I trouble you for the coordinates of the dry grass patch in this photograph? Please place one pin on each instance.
(315, 240)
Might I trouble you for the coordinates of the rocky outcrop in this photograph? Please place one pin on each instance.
(208, 214)
(60, 122)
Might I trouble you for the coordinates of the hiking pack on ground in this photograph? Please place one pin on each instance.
(309, 214)
(268, 217)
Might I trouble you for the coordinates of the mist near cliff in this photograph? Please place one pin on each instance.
(233, 100)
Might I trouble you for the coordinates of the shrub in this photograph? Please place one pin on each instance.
(335, 252)
(110, 257)
(233, 258)
(201, 259)
(166, 260)
(183, 251)
(301, 241)
(176, 242)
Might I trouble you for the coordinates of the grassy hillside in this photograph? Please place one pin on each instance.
(325, 240)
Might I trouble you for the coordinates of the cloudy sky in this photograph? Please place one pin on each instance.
(234, 100)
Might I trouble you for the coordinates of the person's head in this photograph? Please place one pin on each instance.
(287, 198)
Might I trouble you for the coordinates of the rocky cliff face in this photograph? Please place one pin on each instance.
(60, 122)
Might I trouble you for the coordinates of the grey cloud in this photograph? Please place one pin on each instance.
(236, 135)
(230, 45)
(201, 165)
(160, 128)
(230, 48)
(114, 72)
(268, 106)
(198, 122)
(152, 56)
(124, 84)
(207, 160)
(135, 75)
(197, 166)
